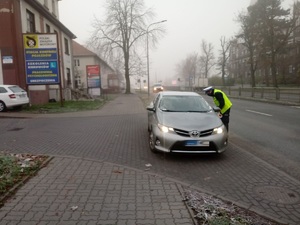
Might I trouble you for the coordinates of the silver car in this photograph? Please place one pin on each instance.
(184, 122)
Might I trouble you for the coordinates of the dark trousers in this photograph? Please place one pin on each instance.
(225, 119)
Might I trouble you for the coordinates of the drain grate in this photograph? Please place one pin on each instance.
(277, 194)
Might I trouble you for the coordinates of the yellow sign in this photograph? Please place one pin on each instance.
(31, 41)
(44, 41)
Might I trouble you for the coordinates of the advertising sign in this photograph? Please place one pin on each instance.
(93, 76)
(41, 58)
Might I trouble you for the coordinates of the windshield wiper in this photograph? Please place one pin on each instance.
(199, 111)
(168, 110)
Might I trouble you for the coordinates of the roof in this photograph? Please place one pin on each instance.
(79, 50)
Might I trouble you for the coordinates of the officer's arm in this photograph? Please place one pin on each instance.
(219, 97)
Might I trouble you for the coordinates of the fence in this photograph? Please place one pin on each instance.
(283, 95)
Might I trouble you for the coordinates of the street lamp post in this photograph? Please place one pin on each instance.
(148, 74)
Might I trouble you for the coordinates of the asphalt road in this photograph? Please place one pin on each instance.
(269, 131)
(118, 134)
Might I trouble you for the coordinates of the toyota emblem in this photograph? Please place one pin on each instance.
(194, 133)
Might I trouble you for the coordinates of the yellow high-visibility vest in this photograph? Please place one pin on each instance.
(227, 102)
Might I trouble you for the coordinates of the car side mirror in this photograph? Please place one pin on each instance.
(216, 109)
(151, 108)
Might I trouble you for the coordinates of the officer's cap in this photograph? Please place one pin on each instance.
(208, 88)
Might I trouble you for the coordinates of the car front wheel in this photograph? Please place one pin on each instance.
(152, 142)
(2, 106)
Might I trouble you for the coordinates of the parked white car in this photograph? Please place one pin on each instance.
(12, 96)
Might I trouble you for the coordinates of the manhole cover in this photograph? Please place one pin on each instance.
(277, 194)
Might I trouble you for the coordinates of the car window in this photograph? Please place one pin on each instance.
(3, 90)
(16, 89)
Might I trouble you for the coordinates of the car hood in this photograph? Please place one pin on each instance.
(189, 120)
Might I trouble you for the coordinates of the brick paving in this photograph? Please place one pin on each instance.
(115, 187)
(79, 191)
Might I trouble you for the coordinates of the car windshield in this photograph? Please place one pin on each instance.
(184, 104)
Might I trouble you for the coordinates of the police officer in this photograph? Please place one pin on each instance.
(222, 101)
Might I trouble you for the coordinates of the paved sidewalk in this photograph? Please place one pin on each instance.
(79, 191)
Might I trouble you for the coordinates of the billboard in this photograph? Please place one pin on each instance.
(93, 76)
(41, 58)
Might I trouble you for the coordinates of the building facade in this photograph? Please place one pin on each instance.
(18, 17)
(83, 58)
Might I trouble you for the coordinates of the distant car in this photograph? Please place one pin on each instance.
(184, 122)
(157, 88)
(12, 96)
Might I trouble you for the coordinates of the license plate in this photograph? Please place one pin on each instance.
(196, 143)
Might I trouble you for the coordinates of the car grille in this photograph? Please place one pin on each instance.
(180, 146)
(185, 133)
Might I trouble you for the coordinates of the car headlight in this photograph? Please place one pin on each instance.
(164, 128)
(219, 130)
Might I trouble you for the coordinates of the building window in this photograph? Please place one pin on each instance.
(53, 7)
(46, 4)
(77, 62)
(30, 22)
(69, 82)
(290, 68)
(67, 46)
(48, 30)
(77, 82)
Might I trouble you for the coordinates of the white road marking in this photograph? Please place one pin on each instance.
(297, 107)
(260, 113)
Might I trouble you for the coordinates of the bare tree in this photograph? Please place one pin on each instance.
(187, 68)
(206, 58)
(124, 28)
(249, 34)
(225, 46)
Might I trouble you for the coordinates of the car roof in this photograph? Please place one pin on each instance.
(179, 93)
(7, 85)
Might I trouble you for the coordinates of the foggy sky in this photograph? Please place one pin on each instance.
(188, 23)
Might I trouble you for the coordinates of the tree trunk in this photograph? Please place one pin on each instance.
(273, 69)
(223, 75)
(127, 78)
